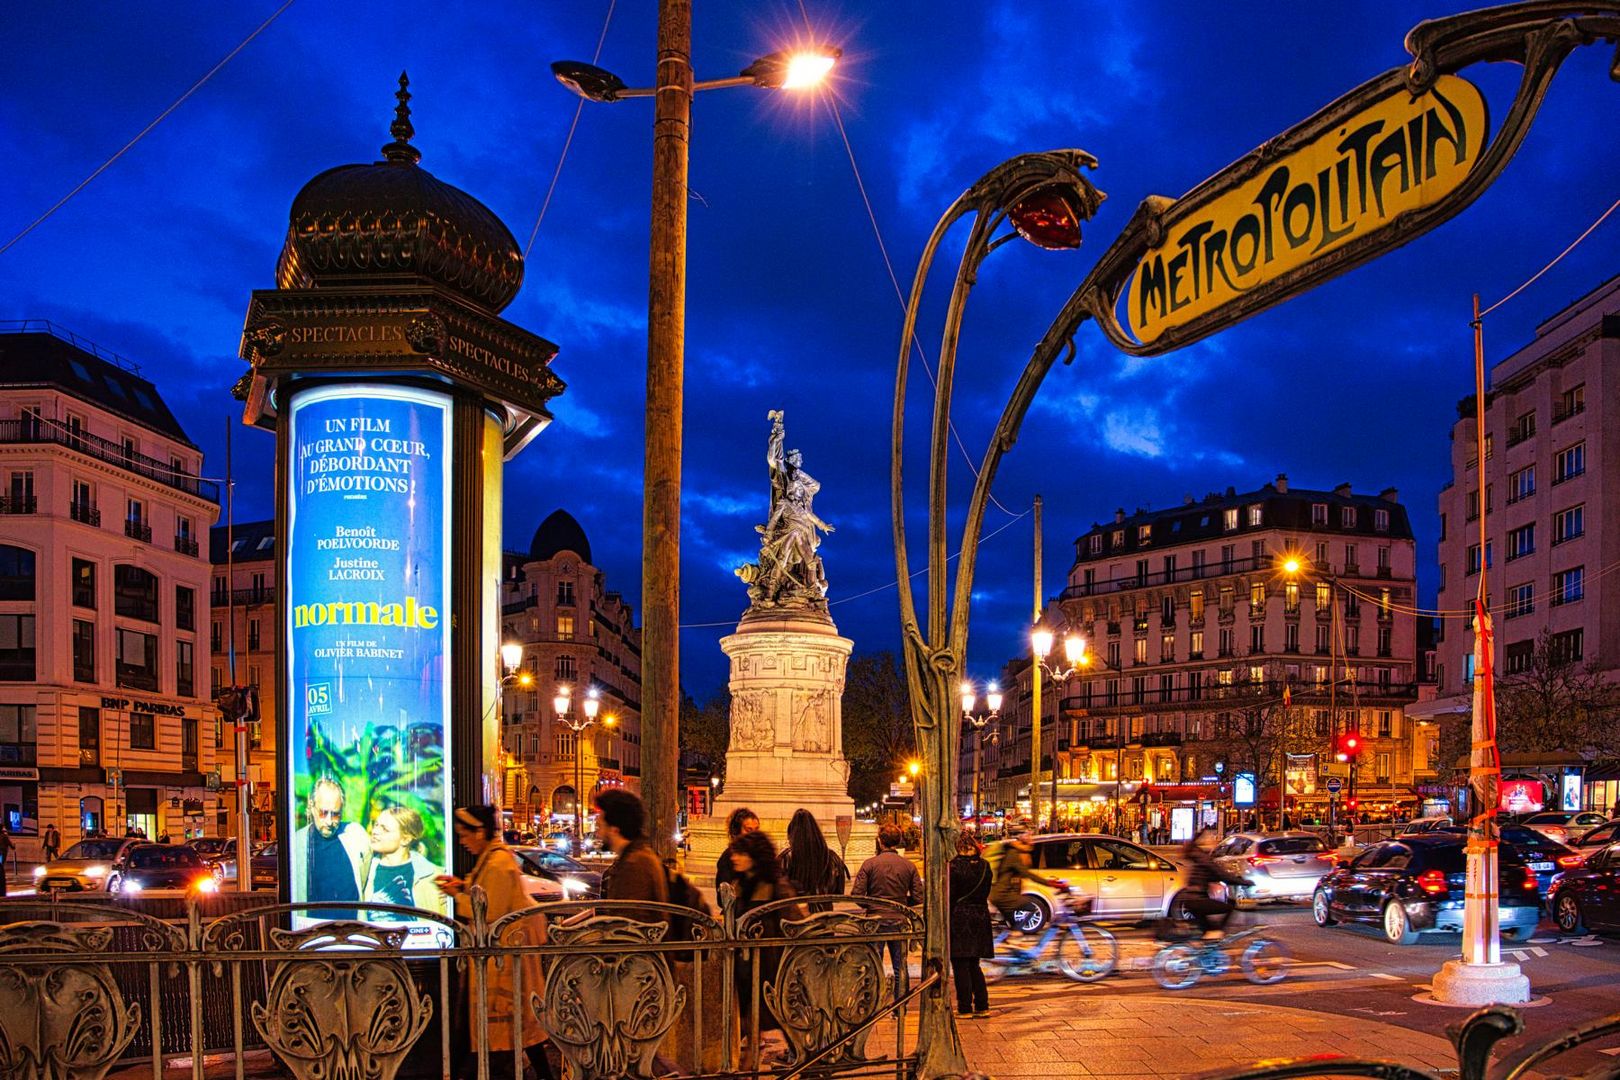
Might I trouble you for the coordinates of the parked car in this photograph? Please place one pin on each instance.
(1588, 896)
(82, 867)
(1546, 858)
(1281, 866)
(574, 879)
(266, 867)
(141, 866)
(1426, 825)
(1593, 839)
(1559, 825)
(1416, 883)
(1123, 879)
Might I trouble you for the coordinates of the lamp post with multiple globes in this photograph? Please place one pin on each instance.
(562, 705)
(979, 722)
(1075, 660)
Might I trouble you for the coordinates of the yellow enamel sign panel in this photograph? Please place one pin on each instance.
(1397, 155)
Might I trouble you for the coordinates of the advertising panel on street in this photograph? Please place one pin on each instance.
(1243, 789)
(1522, 797)
(368, 642)
(1569, 793)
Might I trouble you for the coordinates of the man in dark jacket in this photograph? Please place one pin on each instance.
(1007, 894)
(889, 875)
(1202, 871)
(637, 872)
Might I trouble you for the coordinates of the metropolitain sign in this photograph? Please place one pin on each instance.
(1397, 155)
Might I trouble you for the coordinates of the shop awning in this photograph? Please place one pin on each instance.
(1179, 792)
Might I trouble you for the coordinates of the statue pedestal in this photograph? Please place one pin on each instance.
(786, 752)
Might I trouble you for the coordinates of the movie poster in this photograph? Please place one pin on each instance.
(368, 644)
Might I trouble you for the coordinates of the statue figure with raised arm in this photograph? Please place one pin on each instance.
(789, 572)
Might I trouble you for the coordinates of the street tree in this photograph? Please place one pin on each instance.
(705, 730)
(877, 727)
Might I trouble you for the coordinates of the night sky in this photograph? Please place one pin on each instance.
(790, 305)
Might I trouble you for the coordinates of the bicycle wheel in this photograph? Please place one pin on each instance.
(1176, 967)
(1265, 962)
(1087, 953)
(994, 968)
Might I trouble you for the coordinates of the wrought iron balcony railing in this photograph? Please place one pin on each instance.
(29, 430)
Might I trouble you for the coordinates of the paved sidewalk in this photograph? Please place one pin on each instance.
(1154, 1036)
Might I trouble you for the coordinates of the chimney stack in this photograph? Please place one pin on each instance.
(1282, 483)
(1342, 491)
(1390, 494)
(1119, 516)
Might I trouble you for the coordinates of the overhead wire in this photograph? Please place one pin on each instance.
(579, 107)
(105, 165)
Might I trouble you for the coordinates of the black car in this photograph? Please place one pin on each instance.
(1588, 896)
(1416, 883)
(1546, 857)
(140, 867)
(266, 867)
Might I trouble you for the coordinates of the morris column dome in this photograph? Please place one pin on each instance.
(393, 222)
(559, 533)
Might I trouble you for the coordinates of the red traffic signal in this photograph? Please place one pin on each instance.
(1349, 746)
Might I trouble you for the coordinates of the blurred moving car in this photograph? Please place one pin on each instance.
(1546, 858)
(1123, 879)
(1416, 883)
(1560, 825)
(82, 867)
(219, 852)
(142, 866)
(573, 879)
(1593, 839)
(1587, 897)
(1281, 866)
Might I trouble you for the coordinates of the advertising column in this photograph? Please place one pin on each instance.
(367, 590)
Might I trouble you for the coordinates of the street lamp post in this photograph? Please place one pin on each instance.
(666, 359)
(511, 673)
(562, 705)
(1075, 660)
(978, 722)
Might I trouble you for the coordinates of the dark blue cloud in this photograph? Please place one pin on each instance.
(789, 301)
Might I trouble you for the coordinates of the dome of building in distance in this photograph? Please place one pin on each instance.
(393, 222)
(559, 533)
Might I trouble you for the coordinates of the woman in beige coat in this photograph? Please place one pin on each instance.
(496, 871)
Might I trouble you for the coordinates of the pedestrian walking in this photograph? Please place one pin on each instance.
(742, 820)
(759, 883)
(637, 872)
(889, 875)
(809, 865)
(52, 843)
(508, 1023)
(971, 940)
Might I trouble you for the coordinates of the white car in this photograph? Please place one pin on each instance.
(1123, 880)
(1560, 825)
(1595, 839)
(1279, 866)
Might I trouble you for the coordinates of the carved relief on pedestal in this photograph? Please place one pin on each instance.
(752, 726)
(812, 722)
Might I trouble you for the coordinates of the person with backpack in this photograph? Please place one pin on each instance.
(809, 865)
(637, 872)
(971, 939)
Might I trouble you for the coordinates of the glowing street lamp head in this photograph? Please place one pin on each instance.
(511, 656)
(1074, 649)
(561, 703)
(969, 698)
(914, 767)
(993, 698)
(1292, 565)
(1041, 642)
(793, 69)
(593, 702)
(807, 69)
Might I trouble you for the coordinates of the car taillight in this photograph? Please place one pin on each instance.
(1571, 860)
(1261, 860)
(1530, 881)
(1329, 857)
(1433, 881)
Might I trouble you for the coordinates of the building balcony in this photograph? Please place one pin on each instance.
(1140, 581)
(1238, 696)
(18, 504)
(93, 446)
(138, 530)
(1560, 415)
(186, 545)
(85, 513)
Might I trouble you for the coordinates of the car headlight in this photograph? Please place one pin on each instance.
(95, 871)
(573, 885)
(39, 871)
(207, 885)
(130, 885)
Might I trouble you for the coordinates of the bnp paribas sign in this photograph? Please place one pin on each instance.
(1364, 175)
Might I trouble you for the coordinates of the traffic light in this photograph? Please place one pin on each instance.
(1349, 747)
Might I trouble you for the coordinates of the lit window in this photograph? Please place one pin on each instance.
(1256, 515)
(1569, 524)
(1229, 519)
(565, 627)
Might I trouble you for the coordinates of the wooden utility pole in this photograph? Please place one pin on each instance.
(1035, 702)
(666, 360)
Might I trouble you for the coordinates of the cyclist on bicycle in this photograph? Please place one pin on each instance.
(1007, 893)
(1202, 871)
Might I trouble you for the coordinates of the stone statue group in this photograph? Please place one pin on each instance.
(789, 571)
